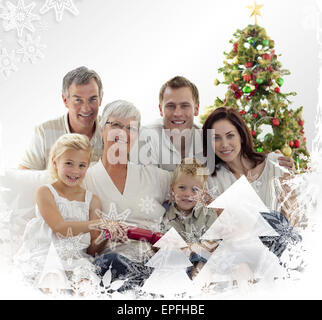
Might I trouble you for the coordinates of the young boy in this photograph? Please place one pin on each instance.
(187, 213)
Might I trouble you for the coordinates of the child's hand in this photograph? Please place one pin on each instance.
(116, 231)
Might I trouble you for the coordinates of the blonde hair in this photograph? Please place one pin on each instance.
(190, 166)
(65, 142)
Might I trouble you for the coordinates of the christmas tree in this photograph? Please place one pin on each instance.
(241, 255)
(255, 77)
(53, 276)
(169, 277)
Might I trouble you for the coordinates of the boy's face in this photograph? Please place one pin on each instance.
(187, 191)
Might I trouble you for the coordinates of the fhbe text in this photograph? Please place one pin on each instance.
(182, 309)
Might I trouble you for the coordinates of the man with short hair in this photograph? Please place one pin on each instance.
(175, 136)
(82, 95)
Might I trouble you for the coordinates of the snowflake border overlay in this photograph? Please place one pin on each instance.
(59, 6)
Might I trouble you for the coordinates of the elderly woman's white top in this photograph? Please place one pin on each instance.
(146, 188)
(267, 185)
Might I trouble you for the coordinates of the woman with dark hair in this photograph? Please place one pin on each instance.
(228, 147)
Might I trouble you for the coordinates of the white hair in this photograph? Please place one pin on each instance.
(120, 109)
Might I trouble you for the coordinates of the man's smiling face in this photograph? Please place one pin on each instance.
(83, 103)
(178, 108)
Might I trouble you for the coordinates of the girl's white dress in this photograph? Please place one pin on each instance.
(44, 252)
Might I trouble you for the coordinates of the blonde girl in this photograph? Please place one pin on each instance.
(63, 212)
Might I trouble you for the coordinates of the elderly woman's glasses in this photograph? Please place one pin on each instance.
(117, 125)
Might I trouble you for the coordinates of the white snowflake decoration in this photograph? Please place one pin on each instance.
(69, 246)
(109, 221)
(31, 49)
(59, 6)
(147, 205)
(19, 17)
(214, 192)
(194, 235)
(114, 215)
(7, 62)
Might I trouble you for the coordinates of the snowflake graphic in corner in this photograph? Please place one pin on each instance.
(19, 17)
(31, 49)
(69, 246)
(147, 205)
(7, 62)
(59, 6)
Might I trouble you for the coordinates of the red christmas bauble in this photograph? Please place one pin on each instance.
(301, 123)
(263, 112)
(302, 131)
(242, 112)
(247, 77)
(277, 90)
(235, 47)
(266, 56)
(234, 86)
(253, 133)
(248, 64)
(238, 94)
(255, 115)
(276, 122)
(291, 144)
(270, 69)
(297, 143)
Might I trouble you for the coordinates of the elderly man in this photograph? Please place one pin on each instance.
(82, 95)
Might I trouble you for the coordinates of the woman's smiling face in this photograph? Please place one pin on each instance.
(226, 141)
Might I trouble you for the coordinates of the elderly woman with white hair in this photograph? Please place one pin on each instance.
(135, 191)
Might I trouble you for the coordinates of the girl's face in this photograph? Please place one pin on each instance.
(226, 141)
(187, 191)
(71, 166)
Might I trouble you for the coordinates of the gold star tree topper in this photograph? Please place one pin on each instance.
(256, 10)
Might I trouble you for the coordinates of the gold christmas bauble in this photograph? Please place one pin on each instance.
(286, 150)
(300, 115)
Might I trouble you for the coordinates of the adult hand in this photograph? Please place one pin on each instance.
(286, 162)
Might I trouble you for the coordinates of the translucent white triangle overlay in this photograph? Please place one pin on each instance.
(242, 261)
(168, 282)
(171, 239)
(241, 217)
(53, 275)
(168, 259)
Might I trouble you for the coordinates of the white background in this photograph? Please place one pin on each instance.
(137, 45)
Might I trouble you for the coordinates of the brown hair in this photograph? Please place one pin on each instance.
(247, 144)
(177, 83)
